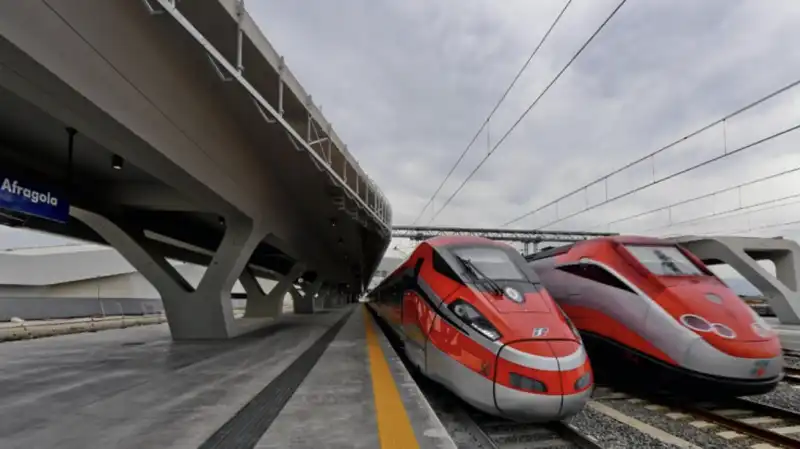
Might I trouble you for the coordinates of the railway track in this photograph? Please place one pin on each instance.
(497, 433)
(771, 424)
(792, 375)
(791, 353)
(774, 425)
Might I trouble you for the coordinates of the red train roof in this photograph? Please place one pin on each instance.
(602, 241)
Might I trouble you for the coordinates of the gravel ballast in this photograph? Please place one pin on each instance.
(784, 396)
(612, 434)
(704, 438)
(792, 361)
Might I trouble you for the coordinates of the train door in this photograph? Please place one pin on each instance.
(414, 336)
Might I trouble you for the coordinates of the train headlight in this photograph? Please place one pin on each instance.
(723, 331)
(761, 330)
(526, 383)
(760, 326)
(700, 324)
(583, 381)
(471, 316)
(696, 323)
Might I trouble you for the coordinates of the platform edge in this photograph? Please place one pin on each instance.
(428, 429)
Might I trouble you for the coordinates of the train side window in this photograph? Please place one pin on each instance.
(442, 267)
(595, 273)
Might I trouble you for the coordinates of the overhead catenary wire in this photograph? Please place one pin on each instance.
(530, 107)
(700, 197)
(740, 210)
(772, 226)
(674, 175)
(751, 229)
(491, 114)
(658, 151)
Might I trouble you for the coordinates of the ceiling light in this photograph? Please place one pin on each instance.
(117, 162)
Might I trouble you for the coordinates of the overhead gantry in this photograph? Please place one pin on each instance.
(524, 236)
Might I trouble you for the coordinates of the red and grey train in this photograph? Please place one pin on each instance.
(649, 309)
(474, 317)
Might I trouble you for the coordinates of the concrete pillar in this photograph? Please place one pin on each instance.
(202, 313)
(270, 305)
(334, 299)
(742, 253)
(305, 302)
(322, 295)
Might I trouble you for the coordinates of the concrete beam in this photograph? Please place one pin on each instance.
(156, 197)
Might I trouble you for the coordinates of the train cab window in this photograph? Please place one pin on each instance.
(595, 273)
(664, 260)
(494, 262)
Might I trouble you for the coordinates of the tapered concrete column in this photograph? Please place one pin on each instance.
(304, 302)
(259, 303)
(271, 304)
(334, 299)
(202, 313)
(319, 300)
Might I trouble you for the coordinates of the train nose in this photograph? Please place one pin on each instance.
(542, 380)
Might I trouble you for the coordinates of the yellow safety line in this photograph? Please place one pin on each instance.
(394, 427)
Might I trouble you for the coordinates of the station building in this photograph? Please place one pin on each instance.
(79, 280)
(76, 279)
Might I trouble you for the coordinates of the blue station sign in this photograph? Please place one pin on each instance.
(30, 198)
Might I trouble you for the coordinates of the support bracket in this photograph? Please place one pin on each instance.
(266, 117)
(217, 69)
(151, 10)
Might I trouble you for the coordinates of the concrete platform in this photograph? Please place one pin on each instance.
(136, 388)
(358, 396)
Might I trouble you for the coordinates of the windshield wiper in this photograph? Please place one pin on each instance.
(478, 274)
(668, 263)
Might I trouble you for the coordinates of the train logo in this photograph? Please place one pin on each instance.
(759, 368)
(512, 294)
(540, 332)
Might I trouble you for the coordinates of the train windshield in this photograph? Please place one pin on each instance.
(492, 262)
(664, 260)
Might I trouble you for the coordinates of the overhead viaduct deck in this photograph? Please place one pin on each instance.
(174, 129)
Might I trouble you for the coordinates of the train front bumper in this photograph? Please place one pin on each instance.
(529, 407)
(534, 386)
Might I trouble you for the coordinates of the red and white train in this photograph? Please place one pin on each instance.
(649, 309)
(474, 317)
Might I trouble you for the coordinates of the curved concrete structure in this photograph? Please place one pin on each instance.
(227, 162)
(75, 281)
(742, 254)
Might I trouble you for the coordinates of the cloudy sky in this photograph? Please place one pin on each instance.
(407, 84)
